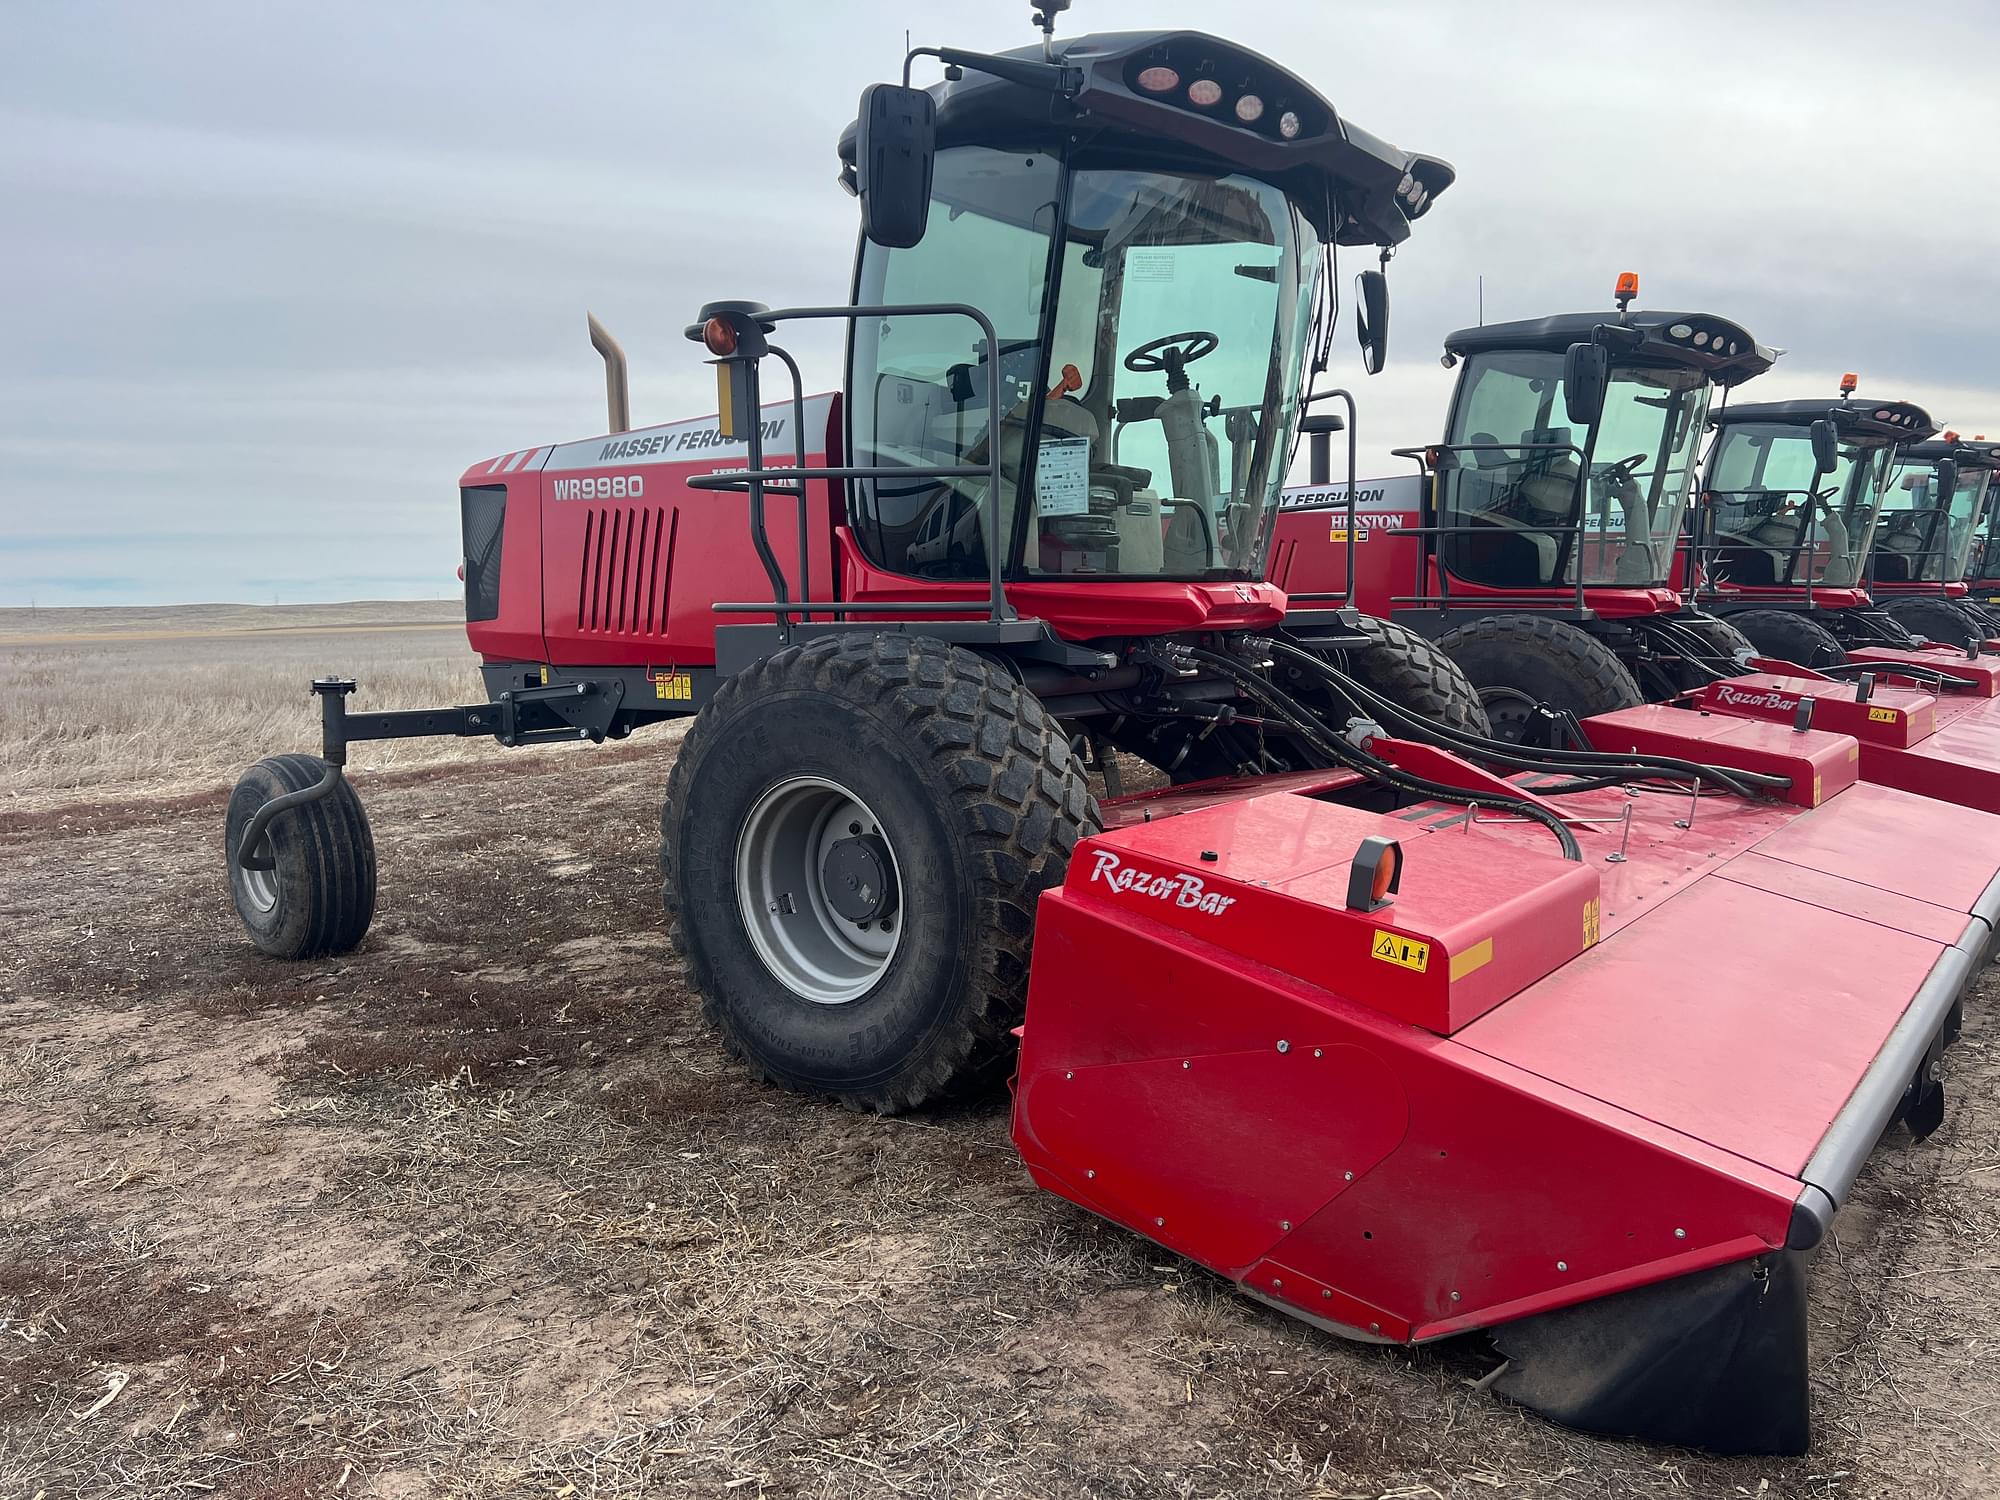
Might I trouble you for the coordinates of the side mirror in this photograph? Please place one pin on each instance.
(1371, 319)
(895, 143)
(1586, 373)
(1825, 445)
(1947, 480)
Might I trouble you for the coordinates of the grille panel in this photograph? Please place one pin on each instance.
(625, 575)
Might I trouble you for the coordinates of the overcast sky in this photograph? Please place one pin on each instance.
(272, 276)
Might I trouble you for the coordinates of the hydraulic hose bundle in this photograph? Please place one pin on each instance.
(1578, 770)
(1616, 768)
(1303, 722)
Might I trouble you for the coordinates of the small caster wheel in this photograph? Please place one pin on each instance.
(318, 896)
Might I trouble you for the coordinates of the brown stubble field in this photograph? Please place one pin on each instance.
(483, 1210)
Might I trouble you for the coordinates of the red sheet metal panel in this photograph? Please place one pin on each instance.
(1939, 924)
(1731, 1014)
(1817, 762)
(1409, 1179)
(1984, 672)
(1267, 878)
(1891, 716)
(1896, 841)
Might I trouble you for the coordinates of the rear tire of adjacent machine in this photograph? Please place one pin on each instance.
(1517, 661)
(1403, 666)
(967, 798)
(1933, 620)
(1790, 637)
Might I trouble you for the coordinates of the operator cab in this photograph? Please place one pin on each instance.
(1933, 509)
(1983, 571)
(1791, 503)
(1151, 250)
(1543, 483)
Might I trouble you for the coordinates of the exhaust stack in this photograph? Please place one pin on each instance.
(617, 391)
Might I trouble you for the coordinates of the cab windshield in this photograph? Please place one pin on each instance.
(1151, 328)
(1773, 520)
(1920, 540)
(1986, 554)
(1531, 501)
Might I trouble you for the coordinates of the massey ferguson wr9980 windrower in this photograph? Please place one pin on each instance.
(1786, 549)
(1403, 1046)
(1553, 577)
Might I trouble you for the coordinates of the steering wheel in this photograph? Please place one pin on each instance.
(1158, 355)
(1622, 471)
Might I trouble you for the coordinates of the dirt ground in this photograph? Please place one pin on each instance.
(483, 1210)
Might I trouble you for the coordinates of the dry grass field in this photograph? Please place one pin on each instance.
(482, 1210)
(109, 705)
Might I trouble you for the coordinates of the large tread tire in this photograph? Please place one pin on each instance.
(1721, 637)
(1790, 637)
(1417, 673)
(1517, 661)
(982, 803)
(320, 897)
(1933, 620)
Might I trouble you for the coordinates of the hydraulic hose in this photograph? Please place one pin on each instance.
(1302, 721)
(1617, 768)
(253, 832)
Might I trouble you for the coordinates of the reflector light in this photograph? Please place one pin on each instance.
(1681, 331)
(1205, 91)
(1950, 436)
(1700, 340)
(1847, 383)
(1288, 125)
(1158, 79)
(718, 337)
(1884, 415)
(1374, 874)
(1249, 109)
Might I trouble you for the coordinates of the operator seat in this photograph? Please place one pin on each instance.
(1525, 516)
(1896, 551)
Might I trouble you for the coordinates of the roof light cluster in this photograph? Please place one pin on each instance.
(1895, 417)
(1226, 87)
(1708, 339)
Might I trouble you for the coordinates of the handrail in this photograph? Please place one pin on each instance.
(1702, 552)
(1571, 535)
(753, 479)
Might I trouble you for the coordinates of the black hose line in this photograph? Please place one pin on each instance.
(1550, 761)
(1302, 721)
(1618, 768)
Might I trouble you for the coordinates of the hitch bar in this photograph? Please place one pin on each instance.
(586, 710)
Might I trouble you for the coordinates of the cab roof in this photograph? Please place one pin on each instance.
(1977, 453)
(1720, 349)
(1858, 421)
(1355, 188)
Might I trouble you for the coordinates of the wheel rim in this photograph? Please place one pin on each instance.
(1510, 711)
(806, 849)
(260, 887)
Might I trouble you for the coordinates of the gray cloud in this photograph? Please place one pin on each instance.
(275, 276)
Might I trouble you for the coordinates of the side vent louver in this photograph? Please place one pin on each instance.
(627, 569)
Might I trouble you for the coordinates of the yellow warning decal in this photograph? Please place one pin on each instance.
(1853, 752)
(1405, 952)
(545, 676)
(1882, 715)
(1819, 789)
(1339, 534)
(1590, 920)
(1478, 956)
(674, 687)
